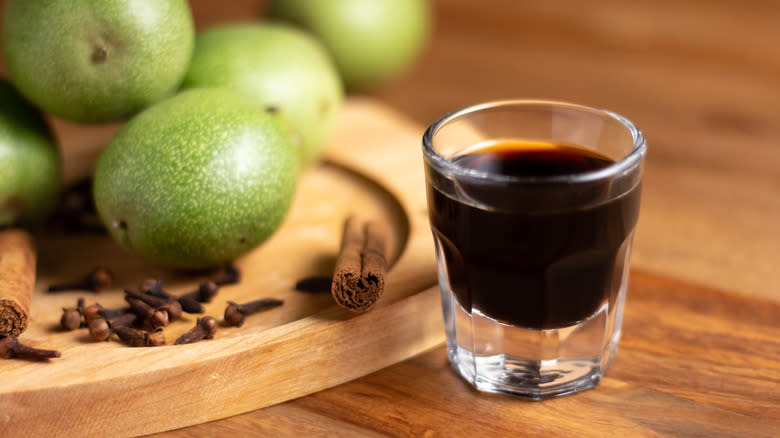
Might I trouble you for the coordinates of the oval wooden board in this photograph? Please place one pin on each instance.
(374, 169)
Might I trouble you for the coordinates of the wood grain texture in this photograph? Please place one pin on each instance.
(693, 362)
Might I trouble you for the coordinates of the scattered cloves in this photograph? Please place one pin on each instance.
(235, 313)
(159, 317)
(95, 311)
(152, 300)
(10, 348)
(140, 308)
(316, 284)
(188, 304)
(75, 211)
(205, 328)
(140, 338)
(114, 313)
(231, 275)
(101, 328)
(206, 291)
(162, 303)
(98, 279)
(173, 309)
(124, 320)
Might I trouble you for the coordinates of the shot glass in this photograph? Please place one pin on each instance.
(533, 206)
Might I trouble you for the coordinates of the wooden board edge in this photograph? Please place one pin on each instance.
(242, 381)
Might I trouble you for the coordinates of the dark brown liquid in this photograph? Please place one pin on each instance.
(533, 269)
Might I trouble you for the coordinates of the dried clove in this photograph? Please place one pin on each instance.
(149, 285)
(75, 212)
(95, 311)
(316, 284)
(173, 309)
(188, 304)
(113, 313)
(231, 275)
(144, 306)
(101, 329)
(152, 300)
(168, 305)
(72, 317)
(98, 279)
(91, 313)
(206, 291)
(235, 313)
(140, 338)
(205, 328)
(160, 319)
(124, 320)
(146, 312)
(10, 348)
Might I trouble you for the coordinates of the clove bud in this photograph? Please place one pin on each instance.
(71, 319)
(316, 284)
(205, 328)
(206, 291)
(10, 348)
(98, 279)
(188, 304)
(140, 338)
(101, 328)
(235, 313)
(169, 306)
(231, 275)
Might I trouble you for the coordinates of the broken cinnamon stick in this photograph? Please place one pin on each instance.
(359, 277)
(17, 279)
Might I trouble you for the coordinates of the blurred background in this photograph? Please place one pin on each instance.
(700, 78)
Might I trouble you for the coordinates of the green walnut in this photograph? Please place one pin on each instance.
(372, 41)
(30, 165)
(95, 61)
(197, 180)
(277, 66)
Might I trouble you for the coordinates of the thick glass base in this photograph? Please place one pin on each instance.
(530, 363)
(536, 380)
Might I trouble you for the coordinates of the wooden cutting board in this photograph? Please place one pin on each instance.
(373, 169)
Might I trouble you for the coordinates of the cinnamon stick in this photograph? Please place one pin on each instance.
(17, 279)
(359, 277)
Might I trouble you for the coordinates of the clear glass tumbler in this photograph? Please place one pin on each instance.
(532, 263)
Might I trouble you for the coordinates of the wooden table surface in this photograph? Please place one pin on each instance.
(702, 80)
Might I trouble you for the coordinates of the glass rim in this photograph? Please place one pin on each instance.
(627, 162)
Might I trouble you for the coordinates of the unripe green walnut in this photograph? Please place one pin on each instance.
(96, 60)
(30, 165)
(371, 41)
(197, 180)
(275, 65)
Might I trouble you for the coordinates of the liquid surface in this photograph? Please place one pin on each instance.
(531, 269)
(523, 158)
